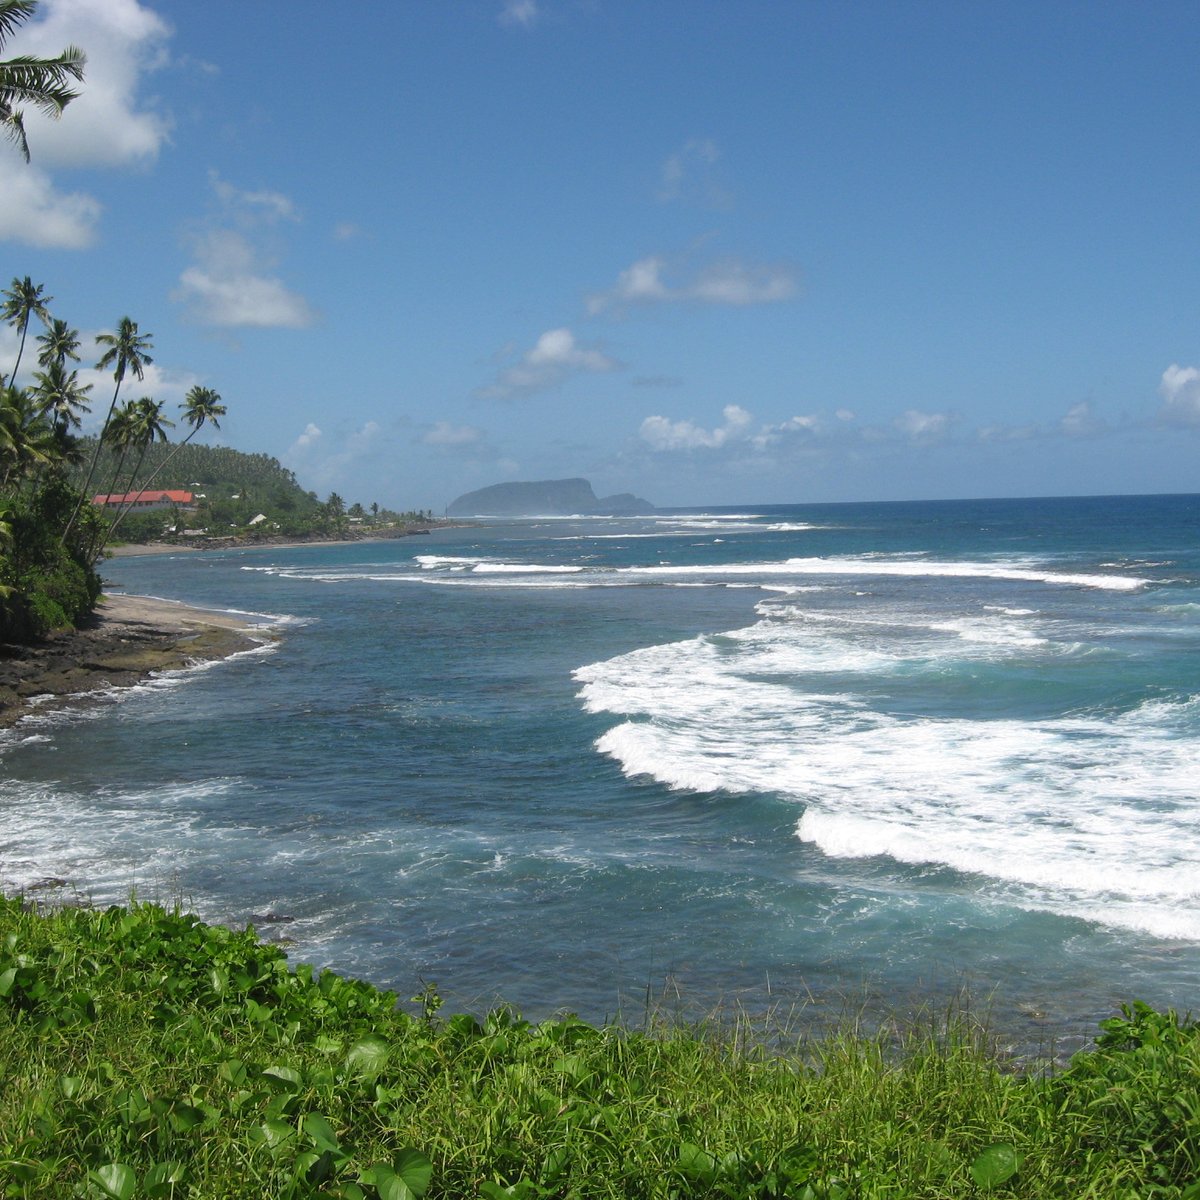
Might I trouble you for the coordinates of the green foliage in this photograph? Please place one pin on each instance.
(148, 1054)
(231, 488)
(52, 584)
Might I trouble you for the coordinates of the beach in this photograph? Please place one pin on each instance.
(128, 639)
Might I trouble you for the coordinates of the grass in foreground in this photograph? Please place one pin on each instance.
(146, 1054)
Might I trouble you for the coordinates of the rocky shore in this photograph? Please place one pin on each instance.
(128, 639)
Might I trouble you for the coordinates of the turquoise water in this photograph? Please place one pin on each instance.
(771, 754)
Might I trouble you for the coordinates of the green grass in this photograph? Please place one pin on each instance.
(145, 1054)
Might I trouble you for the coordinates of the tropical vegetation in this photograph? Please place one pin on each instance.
(148, 1054)
(51, 536)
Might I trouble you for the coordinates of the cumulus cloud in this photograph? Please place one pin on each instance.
(555, 357)
(1180, 390)
(920, 426)
(35, 213)
(1080, 421)
(107, 125)
(232, 282)
(738, 430)
(652, 280)
(663, 434)
(309, 438)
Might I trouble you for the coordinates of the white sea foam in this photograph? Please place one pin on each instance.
(900, 568)
(431, 561)
(1091, 816)
(503, 568)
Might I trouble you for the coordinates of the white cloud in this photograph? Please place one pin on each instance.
(663, 434)
(34, 213)
(688, 175)
(1180, 390)
(162, 383)
(770, 435)
(728, 281)
(1080, 421)
(232, 282)
(306, 441)
(444, 433)
(332, 462)
(520, 12)
(108, 124)
(555, 357)
(105, 125)
(270, 206)
(738, 432)
(844, 414)
(922, 426)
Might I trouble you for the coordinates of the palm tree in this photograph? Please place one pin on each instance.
(125, 350)
(146, 426)
(200, 406)
(59, 391)
(26, 440)
(22, 301)
(59, 342)
(42, 82)
(119, 437)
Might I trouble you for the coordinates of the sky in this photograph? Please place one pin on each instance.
(710, 253)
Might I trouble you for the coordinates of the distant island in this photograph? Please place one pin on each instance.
(546, 498)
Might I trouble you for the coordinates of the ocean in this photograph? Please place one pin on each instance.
(772, 756)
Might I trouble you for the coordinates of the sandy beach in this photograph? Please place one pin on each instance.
(128, 638)
(137, 549)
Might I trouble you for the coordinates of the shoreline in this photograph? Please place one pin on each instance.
(127, 639)
(273, 542)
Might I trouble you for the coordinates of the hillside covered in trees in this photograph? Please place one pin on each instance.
(234, 493)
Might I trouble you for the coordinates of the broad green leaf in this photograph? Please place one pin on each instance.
(405, 1179)
(414, 1169)
(321, 1133)
(995, 1165)
(6, 980)
(115, 1180)
(368, 1057)
(492, 1191)
(276, 1134)
(287, 1078)
(696, 1161)
(162, 1180)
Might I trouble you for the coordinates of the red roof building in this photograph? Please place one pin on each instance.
(143, 501)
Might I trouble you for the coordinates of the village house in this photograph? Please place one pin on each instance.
(144, 501)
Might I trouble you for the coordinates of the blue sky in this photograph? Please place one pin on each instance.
(712, 253)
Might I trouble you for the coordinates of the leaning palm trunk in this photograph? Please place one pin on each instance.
(132, 497)
(145, 486)
(87, 483)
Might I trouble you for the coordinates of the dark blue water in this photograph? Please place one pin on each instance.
(764, 754)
